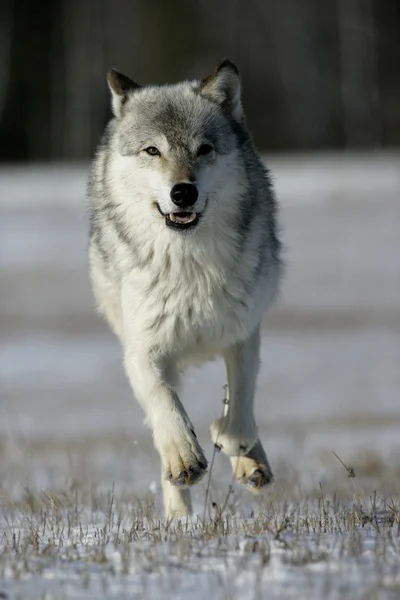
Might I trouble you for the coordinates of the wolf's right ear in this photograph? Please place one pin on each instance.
(120, 86)
(223, 87)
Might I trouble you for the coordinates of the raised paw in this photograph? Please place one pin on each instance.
(232, 439)
(253, 470)
(182, 458)
(187, 474)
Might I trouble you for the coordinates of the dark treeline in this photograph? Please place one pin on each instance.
(316, 73)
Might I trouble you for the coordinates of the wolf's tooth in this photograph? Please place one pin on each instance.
(172, 217)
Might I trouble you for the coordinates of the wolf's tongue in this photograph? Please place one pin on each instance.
(183, 217)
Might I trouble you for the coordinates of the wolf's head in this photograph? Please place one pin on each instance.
(175, 148)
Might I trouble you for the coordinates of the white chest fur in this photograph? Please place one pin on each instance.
(195, 304)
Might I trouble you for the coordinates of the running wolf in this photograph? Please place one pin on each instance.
(184, 260)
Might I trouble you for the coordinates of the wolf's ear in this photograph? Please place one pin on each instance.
(223, 86)
(120, 85)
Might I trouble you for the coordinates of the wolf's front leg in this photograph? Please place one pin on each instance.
(236, 433)
(252, 470)
(182, 459)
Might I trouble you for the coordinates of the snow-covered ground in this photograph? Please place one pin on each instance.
(70, 432)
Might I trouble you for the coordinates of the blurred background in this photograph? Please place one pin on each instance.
(316, 74)
(321, 86)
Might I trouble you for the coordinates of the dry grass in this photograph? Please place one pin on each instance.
(331, 540)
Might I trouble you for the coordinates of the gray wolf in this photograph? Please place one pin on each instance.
(184, 261)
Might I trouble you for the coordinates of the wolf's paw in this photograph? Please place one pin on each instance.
(183, 460)
(253, 470)
(231, 439)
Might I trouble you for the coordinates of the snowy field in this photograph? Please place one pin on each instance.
(80, 505)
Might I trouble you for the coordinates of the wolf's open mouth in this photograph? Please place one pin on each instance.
(181, 220)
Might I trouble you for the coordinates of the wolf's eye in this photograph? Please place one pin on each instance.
(204, 149)
(153, 151)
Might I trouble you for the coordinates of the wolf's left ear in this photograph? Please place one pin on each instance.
(223, 86)
(120, 86)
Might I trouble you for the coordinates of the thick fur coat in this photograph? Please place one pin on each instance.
(184, 260)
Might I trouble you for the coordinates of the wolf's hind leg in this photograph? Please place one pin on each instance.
(177, 500)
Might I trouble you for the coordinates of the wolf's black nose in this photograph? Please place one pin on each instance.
(184, 194)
